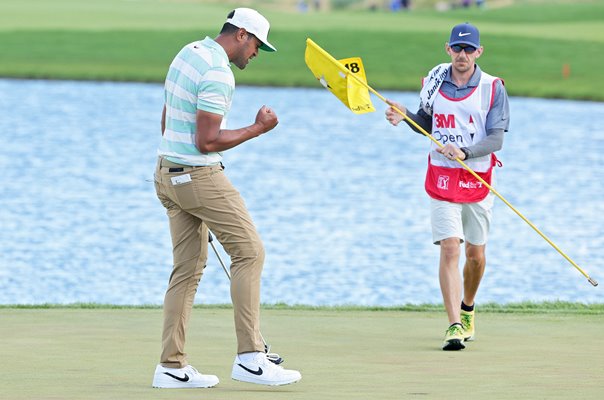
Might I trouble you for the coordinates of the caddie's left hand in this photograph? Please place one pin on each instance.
(451, 152)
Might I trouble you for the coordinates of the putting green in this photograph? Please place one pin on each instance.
(342, 354)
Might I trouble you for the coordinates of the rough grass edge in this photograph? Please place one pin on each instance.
(527, 307)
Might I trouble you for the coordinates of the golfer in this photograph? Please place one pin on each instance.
(191, 185)
(467, 111)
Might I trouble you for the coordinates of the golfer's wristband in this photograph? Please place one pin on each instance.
(466, 152)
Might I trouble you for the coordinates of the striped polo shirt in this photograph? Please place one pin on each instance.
(199, 77)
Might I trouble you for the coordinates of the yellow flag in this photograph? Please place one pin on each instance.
(335, 75)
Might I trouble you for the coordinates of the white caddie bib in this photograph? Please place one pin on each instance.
(461, 122)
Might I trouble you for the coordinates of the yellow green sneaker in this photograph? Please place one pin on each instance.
(454, 338)
(467, 321)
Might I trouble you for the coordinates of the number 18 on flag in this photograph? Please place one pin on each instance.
(334, 75)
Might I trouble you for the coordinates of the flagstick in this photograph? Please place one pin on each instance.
(429, 136)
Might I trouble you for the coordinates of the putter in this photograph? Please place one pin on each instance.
(272, 357)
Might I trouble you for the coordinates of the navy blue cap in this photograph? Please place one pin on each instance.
(465, 34)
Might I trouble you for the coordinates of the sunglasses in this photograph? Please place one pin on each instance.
(458, 48)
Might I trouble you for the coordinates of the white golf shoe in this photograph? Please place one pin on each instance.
(179, 378)
(263, 372)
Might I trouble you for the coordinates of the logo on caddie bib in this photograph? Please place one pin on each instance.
(443, 182)
(470, 185)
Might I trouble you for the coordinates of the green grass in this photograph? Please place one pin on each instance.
(81, 353)
(527, 44)
(522, 307)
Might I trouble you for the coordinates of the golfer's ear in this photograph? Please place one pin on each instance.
(241, 34)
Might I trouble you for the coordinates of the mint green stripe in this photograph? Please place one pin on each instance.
(194, 60)
(181, 104)
(180, 126)
(210, 107)
(216, 87)
(182, 81)
(180, 148)
(222, 89)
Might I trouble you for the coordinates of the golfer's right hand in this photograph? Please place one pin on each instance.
(393, 116)
(266, 119)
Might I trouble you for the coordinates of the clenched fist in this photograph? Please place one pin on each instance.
(266, 119)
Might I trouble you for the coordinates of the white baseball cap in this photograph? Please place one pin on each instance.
(253, 22)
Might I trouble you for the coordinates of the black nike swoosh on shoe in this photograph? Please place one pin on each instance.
(251, 371)
(178, 378)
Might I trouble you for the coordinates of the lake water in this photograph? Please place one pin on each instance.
(338, 200)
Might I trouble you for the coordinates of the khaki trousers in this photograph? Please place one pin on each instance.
(198, 198)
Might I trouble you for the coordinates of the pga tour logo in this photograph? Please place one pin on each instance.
(443, 182)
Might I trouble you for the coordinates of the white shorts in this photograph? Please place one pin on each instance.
(466, 221)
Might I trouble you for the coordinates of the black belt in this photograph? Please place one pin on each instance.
(182, 169)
